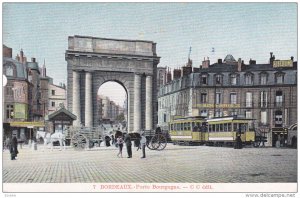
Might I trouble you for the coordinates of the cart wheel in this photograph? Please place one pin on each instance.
(79, 141)
(159, 142)
(149, 144)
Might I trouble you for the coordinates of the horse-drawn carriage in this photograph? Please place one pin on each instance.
(156, 139)
(83, 137)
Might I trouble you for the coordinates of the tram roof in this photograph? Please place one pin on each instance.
(191, 118)
(227, 118)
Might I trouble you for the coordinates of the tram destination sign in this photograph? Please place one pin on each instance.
(207, 105)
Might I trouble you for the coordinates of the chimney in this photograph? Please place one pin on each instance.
(33, 60)
(21, 56)
(252, 62)
(205, 63)
(219, 61)
(169, 77)
(239, 65)
(292, 58)
(176, 73)
(186, 70)
(272, 58)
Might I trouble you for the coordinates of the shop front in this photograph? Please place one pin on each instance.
(24, 131)
(279, 137)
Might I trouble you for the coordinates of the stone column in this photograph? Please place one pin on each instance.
(137, 104)
(148, 103)
(88, 100)
(76, 98)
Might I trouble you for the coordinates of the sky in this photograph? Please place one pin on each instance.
(245, 30)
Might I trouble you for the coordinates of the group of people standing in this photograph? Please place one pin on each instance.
(127, 140)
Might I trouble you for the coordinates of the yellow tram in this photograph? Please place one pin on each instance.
(187, 130)
(215, 131)
(225, 130)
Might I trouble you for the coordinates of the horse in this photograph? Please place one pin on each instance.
(50, 138)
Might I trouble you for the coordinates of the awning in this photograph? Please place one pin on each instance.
(27, 124)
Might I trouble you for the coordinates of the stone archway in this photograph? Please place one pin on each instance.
(94, 61)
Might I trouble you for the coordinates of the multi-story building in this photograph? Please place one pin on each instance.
(266, 93)
(26, 95)
(15, 92)
(57, 95)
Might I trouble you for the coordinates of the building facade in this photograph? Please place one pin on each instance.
(266, 93)
(26, 96)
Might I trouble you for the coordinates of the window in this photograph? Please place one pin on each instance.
(263, 99)
(279, 78)
(263, 79)
(52, 104)
(218, 113)
(165, 118)
(203, 113)
(204, 79)
(233, 79)
(248, 99)
(9, 71)
(203, 98)
(218, 98)
(263, 117)
(218, 79)
(234, 112)
(53, 92)
(233, 98)
(248, 114)
(278, 118)
(9, 111)
(278, 99)
(248, 79)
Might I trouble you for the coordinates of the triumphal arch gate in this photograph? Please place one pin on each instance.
(131, 63)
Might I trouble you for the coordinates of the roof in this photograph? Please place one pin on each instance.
(33, 65)
(229, 58)
(21, 68)
(64, 111)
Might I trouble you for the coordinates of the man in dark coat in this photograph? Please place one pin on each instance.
(14, 148)
(127, 141)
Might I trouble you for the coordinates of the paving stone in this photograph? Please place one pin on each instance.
(182, 164)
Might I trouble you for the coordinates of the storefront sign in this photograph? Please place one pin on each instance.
(282, 63)
(27, 124)
(21, 111)
(218, 105)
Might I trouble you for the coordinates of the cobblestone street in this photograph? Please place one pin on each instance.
(180, 164)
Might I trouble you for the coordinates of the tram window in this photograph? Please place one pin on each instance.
(225, 127)
(193, 125)
(229, 127)
(234, 126)
(217, 128)
(221, 127)
(213, 127)
(210, 127)
(189, 126)
(181, 127)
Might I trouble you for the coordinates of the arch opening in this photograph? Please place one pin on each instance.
(112, 106)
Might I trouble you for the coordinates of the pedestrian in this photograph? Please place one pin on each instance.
(120, 142)
(127, 140)
(14, 148)
(137, 143)
(107, 141)
(112, 140)
(143, 144)
(158, 130)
